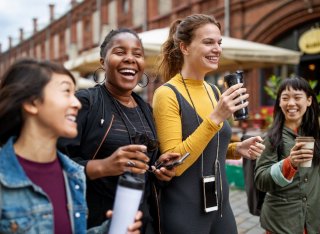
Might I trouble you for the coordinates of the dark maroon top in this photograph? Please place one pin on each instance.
(49, 177)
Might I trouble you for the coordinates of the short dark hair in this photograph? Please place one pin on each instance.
(23, 81)
(107, 42)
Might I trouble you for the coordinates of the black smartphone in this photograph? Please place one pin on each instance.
(174, 163)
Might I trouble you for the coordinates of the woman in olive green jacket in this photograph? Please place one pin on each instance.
(292, 203)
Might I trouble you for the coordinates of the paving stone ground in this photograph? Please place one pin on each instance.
(246, 223)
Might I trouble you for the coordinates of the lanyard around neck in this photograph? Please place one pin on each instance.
(216, 163)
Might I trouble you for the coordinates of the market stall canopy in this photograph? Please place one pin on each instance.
(236, 53)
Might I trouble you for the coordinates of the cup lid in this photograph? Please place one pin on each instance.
(305, 139)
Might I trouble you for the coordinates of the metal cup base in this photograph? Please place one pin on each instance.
(243, 117)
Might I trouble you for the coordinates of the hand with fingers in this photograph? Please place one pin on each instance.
(298, 154)
(133, 228)
(229, 103)
(129, 158)
(162, 173)
(250, 148)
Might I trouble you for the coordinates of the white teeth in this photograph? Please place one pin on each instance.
(129, 71)
(212, 57)
(292, 111)
(71, 118)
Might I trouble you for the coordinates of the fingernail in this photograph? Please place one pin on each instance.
(143, 148)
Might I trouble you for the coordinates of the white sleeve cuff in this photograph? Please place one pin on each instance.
(277, 176)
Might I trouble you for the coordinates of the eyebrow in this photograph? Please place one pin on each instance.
(67, 82)
(295, 94)
(125, 48)
(211, 39)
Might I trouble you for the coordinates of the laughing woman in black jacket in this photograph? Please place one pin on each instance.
(116, 130)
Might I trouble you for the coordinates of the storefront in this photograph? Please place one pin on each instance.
(309, 44)
(305, 38)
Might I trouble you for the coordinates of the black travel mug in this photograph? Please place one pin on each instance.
(128, 197)
(233, 79)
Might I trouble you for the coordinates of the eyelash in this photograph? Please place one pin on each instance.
(123, 52)
(212, 43)
(296, 98)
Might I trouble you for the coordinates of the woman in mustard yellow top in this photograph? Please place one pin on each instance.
(191, 116)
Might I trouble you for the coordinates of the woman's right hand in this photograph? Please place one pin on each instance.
(126, 158)
(299, 154)
(228, 101)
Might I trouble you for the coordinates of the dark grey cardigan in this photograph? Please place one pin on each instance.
(181, 203)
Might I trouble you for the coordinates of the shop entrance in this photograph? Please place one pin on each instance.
(309, 68)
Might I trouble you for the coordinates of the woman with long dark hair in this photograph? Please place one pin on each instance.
(292, 201)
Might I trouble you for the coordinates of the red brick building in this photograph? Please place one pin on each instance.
(74, 38)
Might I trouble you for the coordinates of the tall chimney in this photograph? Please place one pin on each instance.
(10, 42)
(51, 9)
(35, 25)
(21, 34)
(73, 3)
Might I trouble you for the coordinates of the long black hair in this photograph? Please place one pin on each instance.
(24, 81)
(310, 121)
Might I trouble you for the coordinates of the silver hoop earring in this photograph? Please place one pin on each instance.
(95, 78)
(144, 81)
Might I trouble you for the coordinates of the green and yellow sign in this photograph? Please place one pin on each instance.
(309, 42)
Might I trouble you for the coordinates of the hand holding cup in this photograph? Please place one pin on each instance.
(308, 144)
(233, 79)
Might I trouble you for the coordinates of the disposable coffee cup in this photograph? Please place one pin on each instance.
(309, 144)
(233, 79)
(128, 197)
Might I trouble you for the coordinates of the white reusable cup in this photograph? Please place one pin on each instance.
(128, 196)
(309, 144)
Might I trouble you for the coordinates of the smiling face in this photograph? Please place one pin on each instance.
(294, 104)
(124, 63)
(56, 112)
(205, 49)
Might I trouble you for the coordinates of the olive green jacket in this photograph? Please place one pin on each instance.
(289, 206)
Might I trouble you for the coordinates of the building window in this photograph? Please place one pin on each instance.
(125, 6)
(164, 6)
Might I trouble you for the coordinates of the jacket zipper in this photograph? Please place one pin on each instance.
(103, 139)
(158, 206)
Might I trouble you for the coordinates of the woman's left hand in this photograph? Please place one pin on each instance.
(163, 173)
(133, 228)
(250, 148)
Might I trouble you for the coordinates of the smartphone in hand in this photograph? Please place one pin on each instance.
(174, 163)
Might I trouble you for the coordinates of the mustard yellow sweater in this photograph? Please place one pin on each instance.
(168, 122)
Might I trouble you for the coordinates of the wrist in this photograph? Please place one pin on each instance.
(216, 119)
(292, 163)
(94, 169)
(237, 150)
